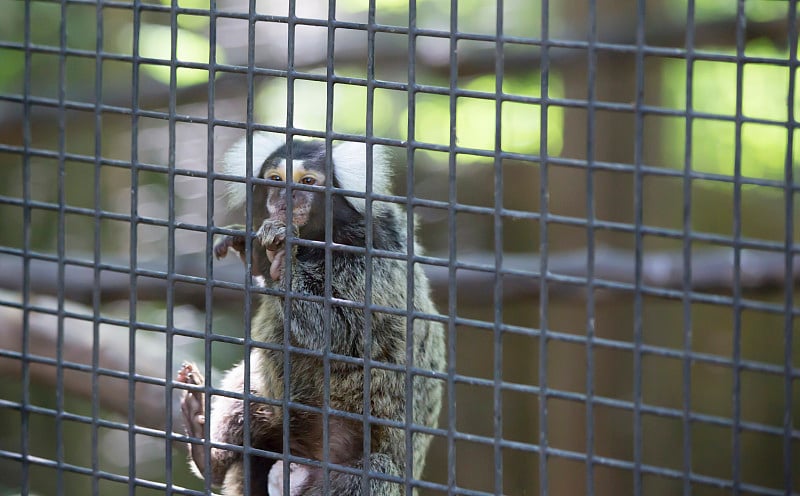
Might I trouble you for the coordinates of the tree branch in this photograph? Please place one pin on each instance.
(712, 271)
(76, 358)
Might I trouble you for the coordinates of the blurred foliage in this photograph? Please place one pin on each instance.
(759, 10)
(764, 90)
(714, 85)
(475, 117)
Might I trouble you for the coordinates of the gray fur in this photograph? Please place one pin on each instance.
(346, 336)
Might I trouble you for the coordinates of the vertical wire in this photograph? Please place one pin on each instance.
(498, 252)
(26, 260)
(736, 468)
(208, 323)
(287, 276)
(687, 254)
(410, 240)
(248, 214)
(170, 277)
(544, 205)
(638, 208)
(369, 244)
(60, 247)
(788, 250)
(452, 288)
(134, 241)
(327, 307)
(96, 294)
(590, 245)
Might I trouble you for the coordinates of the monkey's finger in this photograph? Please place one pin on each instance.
(276, 268)
(272, 234)
(193, 402)
(193, 423)
(192, 406)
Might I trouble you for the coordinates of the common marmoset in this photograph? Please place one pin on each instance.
(345, 334)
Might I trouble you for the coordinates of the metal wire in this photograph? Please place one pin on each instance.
(789, 459)
(134, 245)
(549, 54)
(544, 250)
(687, 258)
(591, 76)
(638, 208)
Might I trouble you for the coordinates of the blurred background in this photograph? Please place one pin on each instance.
(660, 379)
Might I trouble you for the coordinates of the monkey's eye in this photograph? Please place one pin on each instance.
(308, 180)
(275, 177)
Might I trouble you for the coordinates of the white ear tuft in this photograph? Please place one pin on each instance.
(235, 162)
(350, 168)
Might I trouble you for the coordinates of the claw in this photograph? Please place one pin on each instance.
(190, 374)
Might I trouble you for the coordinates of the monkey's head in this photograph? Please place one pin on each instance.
(308, 169)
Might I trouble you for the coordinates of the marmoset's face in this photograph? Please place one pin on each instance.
(302, 200)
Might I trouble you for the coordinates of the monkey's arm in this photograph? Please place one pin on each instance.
(260, 260)
(268, 252)
(225, 242)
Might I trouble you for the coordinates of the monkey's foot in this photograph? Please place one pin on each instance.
(193, 409)
(298, 477)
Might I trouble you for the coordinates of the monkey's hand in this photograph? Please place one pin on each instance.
(193, 409)
(272, 236)
(224, 243)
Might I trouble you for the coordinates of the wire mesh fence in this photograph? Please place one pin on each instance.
(605, 193)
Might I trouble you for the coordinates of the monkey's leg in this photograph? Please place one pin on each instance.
(194, 416)
(344, 449)
(344, 484)
(298, 479)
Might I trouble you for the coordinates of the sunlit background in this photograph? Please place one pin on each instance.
(96, 134)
